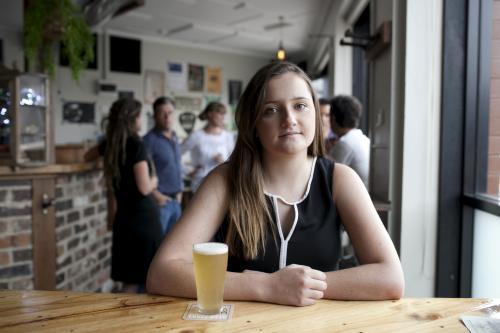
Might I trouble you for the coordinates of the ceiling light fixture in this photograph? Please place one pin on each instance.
(181, 28)
(281, 53)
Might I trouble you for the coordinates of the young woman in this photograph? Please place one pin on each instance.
(209, 146)
(136, 228)
(279, 206)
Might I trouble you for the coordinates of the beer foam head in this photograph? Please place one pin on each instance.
(210, 248)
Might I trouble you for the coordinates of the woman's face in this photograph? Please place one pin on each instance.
(287, 120)
(216, 117)
(325, 118)
(138, 123)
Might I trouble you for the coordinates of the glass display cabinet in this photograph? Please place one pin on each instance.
(24, 119)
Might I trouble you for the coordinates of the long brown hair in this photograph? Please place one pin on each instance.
(119, 125)
(248, 214)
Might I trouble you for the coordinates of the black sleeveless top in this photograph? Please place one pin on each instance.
(313, 240)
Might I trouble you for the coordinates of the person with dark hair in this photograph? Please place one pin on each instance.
(329, 136)
(128, 172)
(324, 109)
(164, 147)
(209, 146)
(279, 205)
(353, 147)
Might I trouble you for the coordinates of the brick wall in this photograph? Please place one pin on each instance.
(83, 242)
(16, 267)
(494, 130)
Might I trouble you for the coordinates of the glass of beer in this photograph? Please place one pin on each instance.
(210, 265)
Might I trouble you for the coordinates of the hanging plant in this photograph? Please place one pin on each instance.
(49, 21)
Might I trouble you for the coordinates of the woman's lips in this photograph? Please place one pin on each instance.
(288, 134)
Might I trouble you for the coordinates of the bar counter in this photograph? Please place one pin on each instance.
(50, 169)
(72, 312)
(53, 228)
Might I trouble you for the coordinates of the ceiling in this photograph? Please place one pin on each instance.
(250, 27)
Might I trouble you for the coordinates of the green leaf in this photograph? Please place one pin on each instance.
(47, 21)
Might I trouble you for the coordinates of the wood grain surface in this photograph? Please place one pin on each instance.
(61, 311)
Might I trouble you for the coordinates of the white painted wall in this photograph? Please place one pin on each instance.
(421, 146)
(485, 268)
(343, 62)
(155, 55)
(339, 57)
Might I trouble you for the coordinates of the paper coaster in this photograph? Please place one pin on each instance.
(192, 313)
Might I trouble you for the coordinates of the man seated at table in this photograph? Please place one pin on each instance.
(352, 147)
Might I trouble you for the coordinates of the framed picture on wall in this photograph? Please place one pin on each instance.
(214, 80)
(176, 76)
(195, 77)
(154, 85)
(234, 87)
(78, 112)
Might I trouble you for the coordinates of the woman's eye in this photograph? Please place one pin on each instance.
(270, 110)
(301, 106)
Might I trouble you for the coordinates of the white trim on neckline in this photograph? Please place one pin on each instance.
(284, 242)
(306, 193)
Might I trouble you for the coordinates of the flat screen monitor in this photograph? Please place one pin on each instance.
(125, 55)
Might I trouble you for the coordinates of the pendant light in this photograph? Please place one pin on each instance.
(281, 53)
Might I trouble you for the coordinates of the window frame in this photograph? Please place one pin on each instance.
(464, 132)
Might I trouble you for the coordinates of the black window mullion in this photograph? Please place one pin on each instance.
(453, 131)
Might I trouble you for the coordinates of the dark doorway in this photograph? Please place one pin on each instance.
(360, 68)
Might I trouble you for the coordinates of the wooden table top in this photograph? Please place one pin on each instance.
(62, 311)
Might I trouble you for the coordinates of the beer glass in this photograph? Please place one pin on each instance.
(210, 265)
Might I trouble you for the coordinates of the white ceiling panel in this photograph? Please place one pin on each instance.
(198, 33)
(233, 24)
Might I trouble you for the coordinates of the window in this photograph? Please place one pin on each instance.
(469, 191)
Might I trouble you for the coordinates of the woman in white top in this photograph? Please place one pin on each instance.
(209, 146)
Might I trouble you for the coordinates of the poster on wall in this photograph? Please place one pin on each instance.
(195, 77)
(176, 76)
(154, 85)
(214, 79)
(234, 87)
(78, 112)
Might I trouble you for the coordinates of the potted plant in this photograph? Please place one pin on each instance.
(47, 22)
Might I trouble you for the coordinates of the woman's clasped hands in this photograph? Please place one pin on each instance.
(294, 285)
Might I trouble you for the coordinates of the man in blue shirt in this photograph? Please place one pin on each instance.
(164, 148)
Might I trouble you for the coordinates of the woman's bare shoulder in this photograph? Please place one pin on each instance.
(216, 180)
(219, 173)
(342, 172)
(345, 180)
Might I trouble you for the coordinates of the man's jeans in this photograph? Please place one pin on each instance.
(169, 214)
